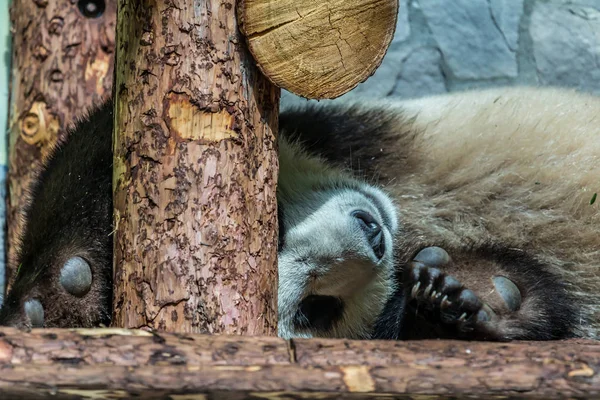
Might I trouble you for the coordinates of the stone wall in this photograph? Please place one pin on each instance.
(448, 45)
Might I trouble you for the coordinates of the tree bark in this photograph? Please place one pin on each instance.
(62, 63)
(195, 173)
(315, 48)
(116, 363)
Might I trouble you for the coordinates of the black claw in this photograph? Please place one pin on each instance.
(445, 303)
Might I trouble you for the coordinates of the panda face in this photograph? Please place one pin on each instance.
(335, 261)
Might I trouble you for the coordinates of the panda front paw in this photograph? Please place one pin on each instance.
(451, 309)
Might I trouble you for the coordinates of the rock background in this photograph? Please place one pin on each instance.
(449, 45)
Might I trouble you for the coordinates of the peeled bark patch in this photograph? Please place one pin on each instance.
(318, 49)
(195, 173)
(186, 121)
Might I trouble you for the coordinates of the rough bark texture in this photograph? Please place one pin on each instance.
(195, 173)
(116, 363)
(315, 48)
(62, 63)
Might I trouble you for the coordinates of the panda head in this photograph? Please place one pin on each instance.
(336, 264)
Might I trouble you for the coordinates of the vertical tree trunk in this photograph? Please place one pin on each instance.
(62, 62)
(195, 173)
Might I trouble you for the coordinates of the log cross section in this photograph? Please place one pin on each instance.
(119, 363)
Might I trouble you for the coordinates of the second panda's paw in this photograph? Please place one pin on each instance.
(451, 308)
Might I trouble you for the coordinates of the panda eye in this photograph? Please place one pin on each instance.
(373, 232)
(366, 220)
(76, 276)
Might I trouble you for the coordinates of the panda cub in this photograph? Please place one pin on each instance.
(460, 216)
(498, 225)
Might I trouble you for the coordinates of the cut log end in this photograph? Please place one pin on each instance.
(318, 49)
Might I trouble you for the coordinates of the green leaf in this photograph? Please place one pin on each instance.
(593, 200)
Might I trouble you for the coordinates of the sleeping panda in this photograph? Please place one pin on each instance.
(458, 216)
(497, 233)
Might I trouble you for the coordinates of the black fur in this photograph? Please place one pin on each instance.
(535, 280)
(280, 219)
(70, 214)
(353, 138)
(390, 323)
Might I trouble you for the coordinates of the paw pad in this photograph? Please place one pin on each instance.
(433, 256)
(508, 291)
(76, 276)
(35, 312)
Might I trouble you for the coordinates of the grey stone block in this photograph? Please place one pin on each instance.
(381, 83)
(403, 25)
(474, 47)
(421, 74)
(506, 15)
(566, 44)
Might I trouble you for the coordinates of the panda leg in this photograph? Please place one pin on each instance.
(485, 304)
(443, 307)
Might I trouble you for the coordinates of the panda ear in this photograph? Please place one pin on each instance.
(280, 218)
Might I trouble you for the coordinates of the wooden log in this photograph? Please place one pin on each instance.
(116, 363)
(318, 49)
(62, 63)
(195, 173)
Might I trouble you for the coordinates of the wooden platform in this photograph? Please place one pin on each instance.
(118, 363)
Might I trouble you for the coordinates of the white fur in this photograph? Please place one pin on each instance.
(326, 252)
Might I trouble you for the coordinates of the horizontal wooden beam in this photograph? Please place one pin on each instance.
(117, 363)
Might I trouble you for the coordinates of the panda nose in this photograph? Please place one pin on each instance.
(372, 231)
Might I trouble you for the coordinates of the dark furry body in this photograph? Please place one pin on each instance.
(71, 214)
